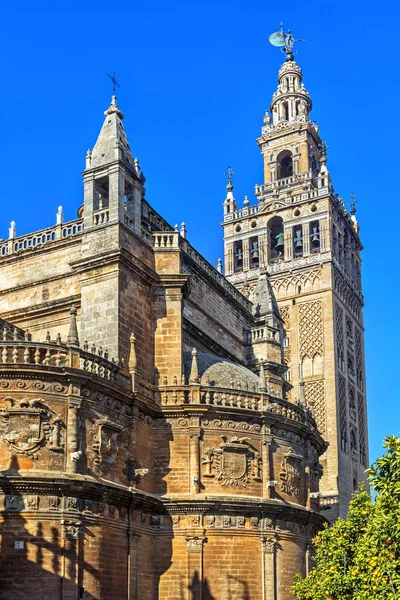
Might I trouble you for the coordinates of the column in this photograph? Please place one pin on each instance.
(70, 562)
(116, 182)
(288, 237)
(268, 549)
(229, 258)
(263, 250)
(246, 257)
(73, 454)
(306, 239)
(133, 539)
(268, 471)
(89, 196)
(324, 235)
(194, 449)
(195, 545)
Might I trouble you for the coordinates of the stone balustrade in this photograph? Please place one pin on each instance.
(101, 216)
(235, 399)
(38, 239)
(50, 355)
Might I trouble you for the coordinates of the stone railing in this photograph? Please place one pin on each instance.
(166, 240)
(46, 355)
(235, 399)
(38, 239)
(101, 216)
(245, 212)
(291, 411)
(262, 333)
(301, 179)
(209, 395)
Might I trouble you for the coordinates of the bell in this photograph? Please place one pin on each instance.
(279, 241)
(254, 250)
(315, 240)
(298, 240)
(239, 255)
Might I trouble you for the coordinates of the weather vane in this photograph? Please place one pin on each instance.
(285, 41)
(114, 81)
(229, 174)
(353, 202)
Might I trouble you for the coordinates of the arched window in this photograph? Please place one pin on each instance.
(276, 239)
(285, 164)
(238, 256)
(298, 240)
(315, 236)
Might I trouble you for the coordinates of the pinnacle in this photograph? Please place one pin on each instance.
(114, 108)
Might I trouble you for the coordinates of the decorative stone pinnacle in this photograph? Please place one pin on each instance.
(73, 339)
(60, 216)
(219, 265)
(194, 371)
(246, 201)
(114, 108)
(132, 363)
(12, 231)
(262, 377)
(183, 230)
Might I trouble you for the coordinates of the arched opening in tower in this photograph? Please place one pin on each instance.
(276, 245)
(285, 164)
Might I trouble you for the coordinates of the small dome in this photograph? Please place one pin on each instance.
(220, 372)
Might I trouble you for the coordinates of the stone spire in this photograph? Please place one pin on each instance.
(264, 302)
(112, 143)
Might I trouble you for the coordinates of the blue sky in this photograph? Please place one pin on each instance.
(196, 78)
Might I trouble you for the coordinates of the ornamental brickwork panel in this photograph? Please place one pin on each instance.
(339, 335)
(343, 423)
(310, 329)
(315, 396)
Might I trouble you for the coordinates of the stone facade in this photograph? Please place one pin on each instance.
(300, 231)
(151, 443)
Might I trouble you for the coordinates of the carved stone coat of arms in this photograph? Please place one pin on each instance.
(235, 462)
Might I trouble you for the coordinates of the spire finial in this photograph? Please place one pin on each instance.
(285, 41)
(229, 173)
(353, 202)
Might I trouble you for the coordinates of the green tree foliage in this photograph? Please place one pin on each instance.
(359, 557)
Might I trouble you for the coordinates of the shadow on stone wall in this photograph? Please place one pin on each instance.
(36, 560)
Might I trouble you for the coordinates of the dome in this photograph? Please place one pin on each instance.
(220, 372)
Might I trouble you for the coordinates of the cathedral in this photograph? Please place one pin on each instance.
(170, 430)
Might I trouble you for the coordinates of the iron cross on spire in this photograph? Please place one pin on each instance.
(114, 81)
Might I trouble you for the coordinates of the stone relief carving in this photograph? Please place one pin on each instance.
(290, 474)
(32, 502)
(106, 442)
(235, 461)
(27, 425)
(195, 543)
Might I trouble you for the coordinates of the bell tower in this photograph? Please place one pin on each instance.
(299, 231)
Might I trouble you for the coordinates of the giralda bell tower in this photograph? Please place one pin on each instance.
(299, 231)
